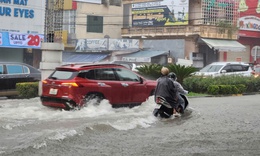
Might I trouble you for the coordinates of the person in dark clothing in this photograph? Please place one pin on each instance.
(180, 90)
(166, 91)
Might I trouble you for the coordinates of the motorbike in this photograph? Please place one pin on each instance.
(166, 110)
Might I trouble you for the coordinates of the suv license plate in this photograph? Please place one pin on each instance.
(53, 91)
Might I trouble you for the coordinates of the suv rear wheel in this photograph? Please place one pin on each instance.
(94, 97)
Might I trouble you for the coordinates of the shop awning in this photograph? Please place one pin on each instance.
(75, 57)
(142, 56)
(225, 45)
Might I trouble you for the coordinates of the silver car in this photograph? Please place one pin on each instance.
(225, 68)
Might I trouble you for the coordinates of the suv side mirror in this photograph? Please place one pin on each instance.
(141, 80)
(223, 71)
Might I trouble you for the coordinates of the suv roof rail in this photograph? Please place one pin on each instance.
(100, 64)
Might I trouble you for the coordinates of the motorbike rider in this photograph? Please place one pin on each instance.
(180, 90)
(165, 89)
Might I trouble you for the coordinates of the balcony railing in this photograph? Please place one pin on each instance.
(206, 31)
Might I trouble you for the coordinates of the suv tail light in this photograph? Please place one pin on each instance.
(71, 84)
(68, 84)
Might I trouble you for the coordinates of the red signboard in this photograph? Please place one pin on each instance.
(249, 21)
(74, 5)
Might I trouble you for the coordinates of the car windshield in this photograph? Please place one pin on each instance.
(211, 68)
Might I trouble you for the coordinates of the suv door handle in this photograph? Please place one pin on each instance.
(101, 84)
(125, 84)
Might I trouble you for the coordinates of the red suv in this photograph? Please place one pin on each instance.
(71, 86)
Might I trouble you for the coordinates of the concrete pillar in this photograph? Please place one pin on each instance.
(51, 58)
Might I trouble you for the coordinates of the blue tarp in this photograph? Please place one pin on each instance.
(74, 57)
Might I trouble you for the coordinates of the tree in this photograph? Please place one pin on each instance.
(181, 71)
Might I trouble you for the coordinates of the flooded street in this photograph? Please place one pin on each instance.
(210, 126)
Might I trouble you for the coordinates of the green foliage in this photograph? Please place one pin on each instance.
(230, 84)
(197, 84)
(223, 89)
(27, 89)
(152, 71)
(226, 26)
(192, 94)
(235, 90)
(236, 84)
(181, 71)
(241, 88)
(213, 89)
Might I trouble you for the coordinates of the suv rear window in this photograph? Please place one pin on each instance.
(63, 75)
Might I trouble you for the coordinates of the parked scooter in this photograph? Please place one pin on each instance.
(166, 110)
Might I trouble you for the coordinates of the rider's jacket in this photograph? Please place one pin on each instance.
(179, 87)
(166, 89)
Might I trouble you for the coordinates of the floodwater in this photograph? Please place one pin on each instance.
(210, 126)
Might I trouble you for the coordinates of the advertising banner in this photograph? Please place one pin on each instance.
(122, 44)
(20, 40)
(23, 16)
(163, 13)
(249, 21)
(91, 44)
(106, 44)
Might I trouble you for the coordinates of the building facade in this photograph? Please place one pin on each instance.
(21, 29)
(92, 19)
(202, 31)
(208, 28)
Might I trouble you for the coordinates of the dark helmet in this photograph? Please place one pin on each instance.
(172, 75)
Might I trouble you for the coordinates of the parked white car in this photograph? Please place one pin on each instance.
(225, 68)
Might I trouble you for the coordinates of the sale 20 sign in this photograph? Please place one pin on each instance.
(21, 40)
